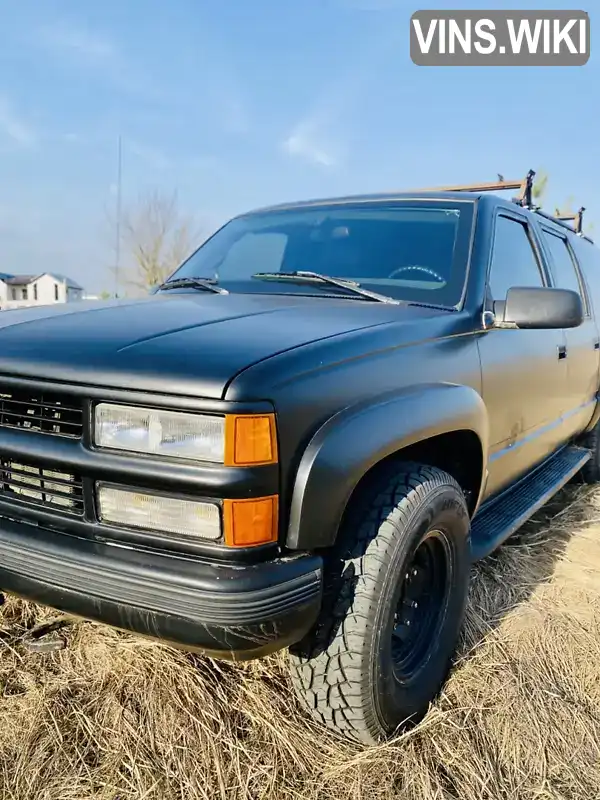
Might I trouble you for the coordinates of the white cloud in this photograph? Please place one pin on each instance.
(93, 51)
(234, 115)
(151, 155)
(206, 162)
(304, 142)
(13, 126)
(321, 136)
(222, 96)
(208, 81)
(80, 41)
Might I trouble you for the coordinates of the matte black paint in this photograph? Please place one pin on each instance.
(351, 381)
(186, 343)
(355, 440)
(228, 611)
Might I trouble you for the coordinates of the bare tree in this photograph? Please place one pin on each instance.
(539, 187)
(155, 238)
(568, 207)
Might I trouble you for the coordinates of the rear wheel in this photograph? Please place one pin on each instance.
(394, 602)
(591, 471)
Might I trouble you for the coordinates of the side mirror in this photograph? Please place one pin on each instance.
(539, 308)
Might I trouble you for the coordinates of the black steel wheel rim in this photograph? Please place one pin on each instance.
(421, 605)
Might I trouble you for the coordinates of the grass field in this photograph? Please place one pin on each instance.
(113, 716)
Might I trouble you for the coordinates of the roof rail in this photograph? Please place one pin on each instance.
(525, 186)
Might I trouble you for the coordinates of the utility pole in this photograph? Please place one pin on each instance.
(118, 216)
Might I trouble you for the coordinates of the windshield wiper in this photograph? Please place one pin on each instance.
(206, 284)
(301, 276)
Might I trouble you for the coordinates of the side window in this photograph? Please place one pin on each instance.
(563, 268)
(588, 258)
(514, 262)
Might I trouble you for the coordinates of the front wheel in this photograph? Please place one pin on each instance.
(394, 603)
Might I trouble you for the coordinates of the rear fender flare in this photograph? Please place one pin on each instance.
(353, 441)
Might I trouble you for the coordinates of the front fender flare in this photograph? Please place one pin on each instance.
(345, 448)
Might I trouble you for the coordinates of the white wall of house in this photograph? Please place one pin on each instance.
(45, 290)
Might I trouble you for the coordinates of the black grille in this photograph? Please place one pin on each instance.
(39, 486)
(44, 412)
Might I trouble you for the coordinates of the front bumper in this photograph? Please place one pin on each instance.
(235, 612)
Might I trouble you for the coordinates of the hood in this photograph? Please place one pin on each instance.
(181, 343)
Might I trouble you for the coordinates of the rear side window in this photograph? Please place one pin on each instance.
(563, 269)
(514, 261)
(588, 258)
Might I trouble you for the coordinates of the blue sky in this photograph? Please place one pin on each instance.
(235, 104)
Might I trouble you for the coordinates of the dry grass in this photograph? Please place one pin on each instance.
(114, 717)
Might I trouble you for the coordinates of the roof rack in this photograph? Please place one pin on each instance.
(576, 219)
(525, 186)
(524, 198)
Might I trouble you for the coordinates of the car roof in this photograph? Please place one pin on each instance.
(419, 194)
(379, 197)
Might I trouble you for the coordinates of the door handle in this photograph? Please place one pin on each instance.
(562, 351)
(597, 344)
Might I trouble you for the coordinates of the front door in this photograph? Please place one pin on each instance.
(523, 371)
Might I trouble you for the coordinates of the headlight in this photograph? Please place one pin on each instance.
(170, 515)
(162, 433)
(235, 440)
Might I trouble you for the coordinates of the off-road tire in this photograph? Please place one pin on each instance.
(343, 671)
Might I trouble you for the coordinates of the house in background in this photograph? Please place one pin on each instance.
(20, 291)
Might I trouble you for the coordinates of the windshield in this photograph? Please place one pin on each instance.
(415, 251)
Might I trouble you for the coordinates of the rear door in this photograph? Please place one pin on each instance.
(582, 343)
(523, 371)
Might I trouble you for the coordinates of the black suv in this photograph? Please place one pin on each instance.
(305, 437)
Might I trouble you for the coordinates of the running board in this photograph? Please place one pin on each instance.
(495, 522)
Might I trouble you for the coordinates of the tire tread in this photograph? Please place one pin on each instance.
(591, 471)
(320, 674)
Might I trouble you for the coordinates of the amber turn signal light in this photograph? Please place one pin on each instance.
(250, 522)
(250, 440)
